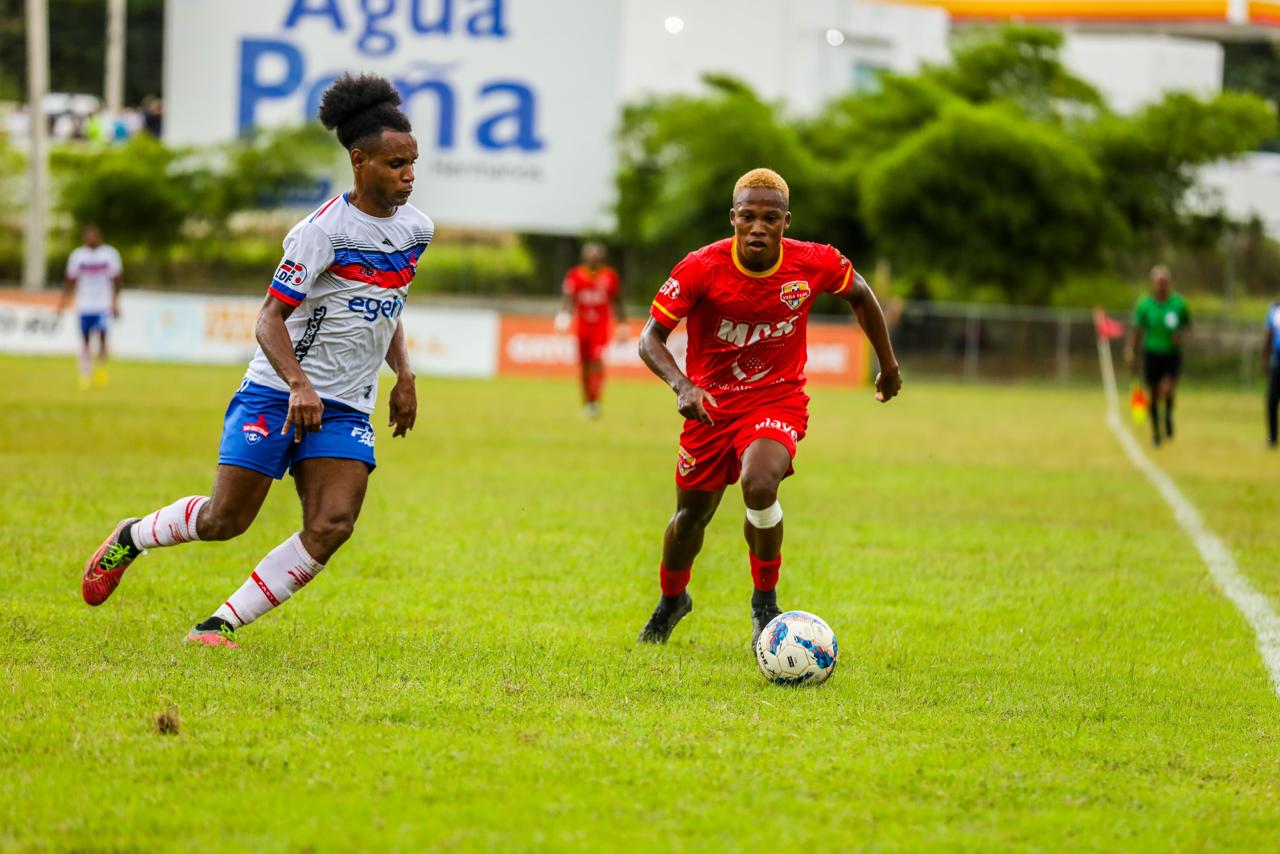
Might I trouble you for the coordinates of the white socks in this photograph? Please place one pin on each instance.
(284, 571)
(170, 525)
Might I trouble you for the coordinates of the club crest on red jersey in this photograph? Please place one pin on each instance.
(291, 273)
(685, 463)
(795, 293)
(670, 289)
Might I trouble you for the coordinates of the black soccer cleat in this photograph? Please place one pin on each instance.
(664, 619)
(760, 617)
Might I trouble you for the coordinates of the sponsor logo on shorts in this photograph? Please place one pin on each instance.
(364, 435)
(685, 462)
(255, 431)
(670, 289)
(291, 273)
(780, 426)
(795, 293)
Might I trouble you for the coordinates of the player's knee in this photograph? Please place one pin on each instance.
(216, 525)
(759, 490)
(689, 522)
(333, 531)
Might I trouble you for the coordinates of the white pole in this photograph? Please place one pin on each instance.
(36, 227)
(114, 94)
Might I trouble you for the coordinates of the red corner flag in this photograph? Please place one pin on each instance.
(1107, 328)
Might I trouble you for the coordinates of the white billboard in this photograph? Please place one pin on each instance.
(165, 327)
(513, 102)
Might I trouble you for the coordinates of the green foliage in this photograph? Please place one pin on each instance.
(992, 198)
(1148, 159)
(1000, 172)
(1019, 64)
(136, 191)
(680, 157)
(266, 168)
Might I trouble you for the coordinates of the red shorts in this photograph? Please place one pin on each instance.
(710, 456)
(592, 342)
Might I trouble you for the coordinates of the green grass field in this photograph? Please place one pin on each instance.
(1032, 654)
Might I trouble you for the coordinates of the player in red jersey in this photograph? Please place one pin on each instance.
(589, 291)
(747, 301)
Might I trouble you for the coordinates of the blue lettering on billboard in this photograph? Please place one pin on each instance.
(505, 110)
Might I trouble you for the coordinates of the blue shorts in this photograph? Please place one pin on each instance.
(93, 323)
(251, 436)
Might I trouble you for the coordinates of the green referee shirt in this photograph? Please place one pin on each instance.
(1159, 320)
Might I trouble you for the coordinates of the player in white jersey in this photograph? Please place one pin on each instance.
(331, 316)
(93, 280)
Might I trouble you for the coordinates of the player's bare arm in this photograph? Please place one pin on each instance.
(404, 395)
(305, 406)
(68, 292)
(654, 352)
(870, 316)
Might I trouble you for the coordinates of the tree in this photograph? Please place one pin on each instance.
(679, 158)
(1149, 160)
(989, 198)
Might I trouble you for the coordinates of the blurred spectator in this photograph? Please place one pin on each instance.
(1271, 364)
(153, 115)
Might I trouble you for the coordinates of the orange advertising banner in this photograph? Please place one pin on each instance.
(530, 346)
(1101, 11)
(1264, 13)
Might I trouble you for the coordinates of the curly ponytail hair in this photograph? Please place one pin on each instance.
(360, 107)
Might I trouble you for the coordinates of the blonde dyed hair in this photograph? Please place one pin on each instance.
(762, 179)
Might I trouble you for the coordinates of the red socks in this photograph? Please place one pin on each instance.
(764, 573)
(673, 583)
(593, 385)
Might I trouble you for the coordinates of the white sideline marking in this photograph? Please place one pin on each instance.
(1255, 607)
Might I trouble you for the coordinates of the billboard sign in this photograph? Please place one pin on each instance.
(512, 101)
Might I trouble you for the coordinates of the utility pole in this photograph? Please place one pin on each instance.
(114, 94)
(36, 226)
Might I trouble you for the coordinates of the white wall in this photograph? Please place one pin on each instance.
(779, 48)
(1246, 187)
(1132, 71)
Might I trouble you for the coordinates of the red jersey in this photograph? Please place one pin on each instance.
(592, 294)
(747, 341)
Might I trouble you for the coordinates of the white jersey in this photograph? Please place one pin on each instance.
(94, 272)
(348, 275)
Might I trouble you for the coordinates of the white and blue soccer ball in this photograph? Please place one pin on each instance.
(797, 648)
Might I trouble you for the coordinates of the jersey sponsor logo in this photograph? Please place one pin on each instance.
(291, 273)
(364, 435)
(741, 334)
(255, 431)
(780, 426)
(670, 289)
(685, 462)
(1171, 319)
(793, 294)
(371, 308)
(749, 369)
(309, 336)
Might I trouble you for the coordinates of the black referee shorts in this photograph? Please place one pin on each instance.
(1157, 366)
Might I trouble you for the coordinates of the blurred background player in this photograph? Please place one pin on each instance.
(591, 289)
(1271, 365)
(330, 318)
(747, 300)
(94, 272)
(1161, 321)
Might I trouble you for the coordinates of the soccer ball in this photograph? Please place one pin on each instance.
(797, 648)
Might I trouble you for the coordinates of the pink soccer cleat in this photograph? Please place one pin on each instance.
(104, 570)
